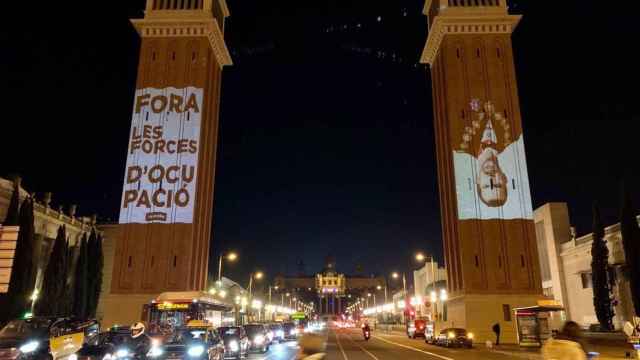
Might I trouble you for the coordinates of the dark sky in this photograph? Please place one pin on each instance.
(326, 138)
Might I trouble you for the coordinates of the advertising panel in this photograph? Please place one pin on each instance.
(490, 167)
(8, 242)
(162, 157)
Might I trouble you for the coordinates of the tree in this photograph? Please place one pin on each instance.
(631, 243)
(54, 280)
(66, 299)
(599, 272)
(94, 272)
(80, 288)
(13, 211)
(21, 284)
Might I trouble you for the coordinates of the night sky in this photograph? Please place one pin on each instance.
(326, 131)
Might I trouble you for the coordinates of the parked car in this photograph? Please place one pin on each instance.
(236, 342)
(278, 331)
(416, 328)
(258, 337)
(45, 338)
(430, 334)
(455, 337)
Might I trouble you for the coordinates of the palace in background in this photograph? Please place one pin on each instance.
(329, 290)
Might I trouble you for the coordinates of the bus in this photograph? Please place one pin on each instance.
(175, 309)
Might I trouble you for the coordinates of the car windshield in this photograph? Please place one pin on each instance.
(289, 326)
(254, 329)
(186, 335)
(229, 331)
(275, 327)
(25, 328)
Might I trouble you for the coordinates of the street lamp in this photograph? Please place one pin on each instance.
(230, 257)
(420, 256)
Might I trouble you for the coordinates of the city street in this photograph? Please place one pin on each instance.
(283, 351)
(348, 344)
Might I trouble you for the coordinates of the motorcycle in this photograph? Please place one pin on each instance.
(367, 335)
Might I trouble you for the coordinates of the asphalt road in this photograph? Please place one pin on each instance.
(348, 344)
(283, 351)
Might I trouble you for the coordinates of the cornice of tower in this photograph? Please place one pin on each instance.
(183, 24)
(465, 25)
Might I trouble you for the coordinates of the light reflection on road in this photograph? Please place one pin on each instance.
(283, 351)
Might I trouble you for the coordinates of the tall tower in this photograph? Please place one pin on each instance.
(487, 217)
(167, 200)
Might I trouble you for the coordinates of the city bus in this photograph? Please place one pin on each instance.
(175, 309)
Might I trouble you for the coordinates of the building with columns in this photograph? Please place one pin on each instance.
(565, 264)
(330, 290)
(428, 278)
(47, 221)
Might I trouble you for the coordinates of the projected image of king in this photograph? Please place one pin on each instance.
(490, 168)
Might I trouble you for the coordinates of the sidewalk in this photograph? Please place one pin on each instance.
(607, 352)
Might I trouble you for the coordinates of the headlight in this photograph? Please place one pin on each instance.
(31, 346)
(122, 353)
(259, 339)
(155, 351)
(280, 333)
(73, 357)
(470, 335)
(233, 346)
(195, 351)
(452, 335)
(294, 331)
(107, 356)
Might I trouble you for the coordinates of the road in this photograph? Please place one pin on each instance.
(348, 344)
(283, 351)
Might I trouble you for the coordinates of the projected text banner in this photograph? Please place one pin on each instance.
(162, 158)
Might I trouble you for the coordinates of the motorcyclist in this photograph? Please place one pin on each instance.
(140, 342)
(366, 329)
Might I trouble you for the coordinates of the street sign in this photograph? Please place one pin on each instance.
(8, 239)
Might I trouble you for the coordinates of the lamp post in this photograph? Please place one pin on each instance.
(395, 275)
(257, 275)
(230, 257)
(421, 257)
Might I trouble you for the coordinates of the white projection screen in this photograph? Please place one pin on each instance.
(490, 167)
(162, 157)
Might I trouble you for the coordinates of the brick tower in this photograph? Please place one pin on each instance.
(167, 201)
(487, 217)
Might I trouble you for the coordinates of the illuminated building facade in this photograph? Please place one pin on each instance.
(330, 290)
(487, 217)
(166, 207)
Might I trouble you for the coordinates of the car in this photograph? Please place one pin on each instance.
(105, 344)
(455, 337)
(290, 331)
(258, 337)
(45, 338)
(416, 328)
(278, 331)
(236, 342)
(196, 341)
